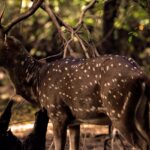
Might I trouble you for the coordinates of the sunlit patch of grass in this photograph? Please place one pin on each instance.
(22, 112)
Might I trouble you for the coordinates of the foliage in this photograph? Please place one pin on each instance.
(132, 18)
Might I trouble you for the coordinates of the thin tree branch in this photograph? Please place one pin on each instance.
(89, 6)
(83, 46)
(25, 15)
(47, 8)
(74, 31)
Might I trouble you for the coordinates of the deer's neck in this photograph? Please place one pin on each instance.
(24, 73)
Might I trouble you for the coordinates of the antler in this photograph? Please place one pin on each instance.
(36, 4)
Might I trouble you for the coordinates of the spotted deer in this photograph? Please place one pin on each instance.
(109, 89)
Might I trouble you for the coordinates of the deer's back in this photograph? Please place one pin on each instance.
(87, 85)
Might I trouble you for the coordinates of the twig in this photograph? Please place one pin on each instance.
(46, 8)
(83, 46)
(52, 56)
(25, 15)
(50, 147)
(52, 16)
(93, 46)
(74, 31)
(66, 47)
(84, 142)
(89, 6)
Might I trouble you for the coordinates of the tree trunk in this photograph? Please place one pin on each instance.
(110, 13)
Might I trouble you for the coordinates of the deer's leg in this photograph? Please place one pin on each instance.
(60, 131)
(113, 138)
(107, 140)
(74, 137)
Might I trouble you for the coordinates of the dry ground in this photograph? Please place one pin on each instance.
(92, 136)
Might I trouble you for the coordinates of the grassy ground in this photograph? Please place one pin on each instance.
(22, 121)
(92, 137)
(22, 112)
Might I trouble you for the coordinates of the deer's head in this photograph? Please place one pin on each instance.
(9, 45)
